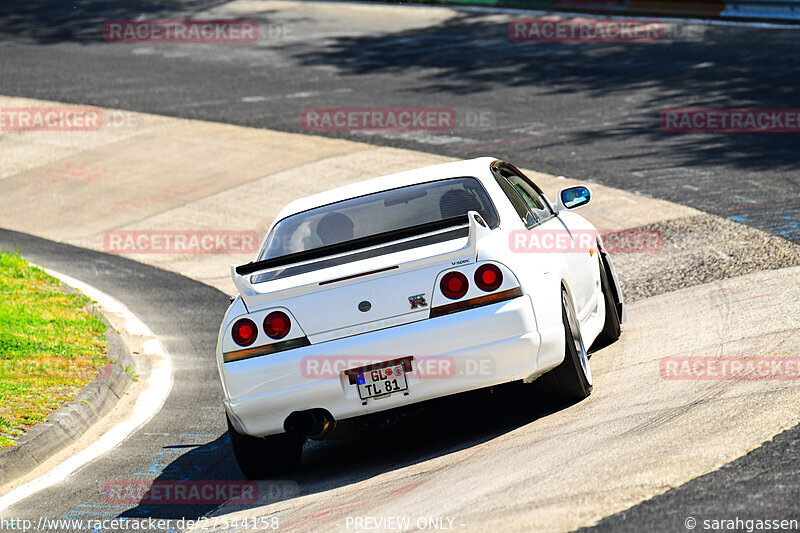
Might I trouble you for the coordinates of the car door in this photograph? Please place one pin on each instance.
(535, 211)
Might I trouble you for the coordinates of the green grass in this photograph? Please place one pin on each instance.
(50, 346)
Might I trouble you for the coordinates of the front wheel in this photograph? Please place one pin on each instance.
(264, 457)
(571, 381)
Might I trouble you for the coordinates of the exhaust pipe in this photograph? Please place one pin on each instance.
(315, 424)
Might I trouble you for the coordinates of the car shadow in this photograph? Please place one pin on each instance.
(403, 438)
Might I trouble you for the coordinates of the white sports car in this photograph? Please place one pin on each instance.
(409, 287)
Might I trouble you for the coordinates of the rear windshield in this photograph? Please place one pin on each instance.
(379, 212)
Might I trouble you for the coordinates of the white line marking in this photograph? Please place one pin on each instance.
(147, 404)
(301, 94)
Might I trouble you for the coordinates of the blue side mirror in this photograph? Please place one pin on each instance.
(574, 197)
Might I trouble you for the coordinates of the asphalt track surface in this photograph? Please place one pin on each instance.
(585, 110)
(187, 439)
(588, 112)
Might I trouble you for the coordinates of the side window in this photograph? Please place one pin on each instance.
(516, 200)
(530, 195)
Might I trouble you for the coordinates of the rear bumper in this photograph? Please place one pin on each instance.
(454, 353)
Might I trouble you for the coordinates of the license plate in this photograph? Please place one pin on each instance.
(381, 382)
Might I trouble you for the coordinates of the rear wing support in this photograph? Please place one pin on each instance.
(241, 274)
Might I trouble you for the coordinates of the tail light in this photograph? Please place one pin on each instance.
(277, 325)
(244, 332)
(488, 278)
(454, 285)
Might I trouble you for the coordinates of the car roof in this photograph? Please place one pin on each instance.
(477, 168)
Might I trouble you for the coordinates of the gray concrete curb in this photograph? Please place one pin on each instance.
(69, 422)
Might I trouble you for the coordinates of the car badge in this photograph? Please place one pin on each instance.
(418, 300)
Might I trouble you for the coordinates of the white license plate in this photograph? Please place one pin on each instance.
(381, 382)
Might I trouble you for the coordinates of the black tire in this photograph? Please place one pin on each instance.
(611, 329)
(265, 457)
(571, 381)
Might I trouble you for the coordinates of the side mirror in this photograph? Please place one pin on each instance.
(573, 197)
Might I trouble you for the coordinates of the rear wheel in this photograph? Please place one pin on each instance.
(571, 381)
(264, 457)
(611, 328)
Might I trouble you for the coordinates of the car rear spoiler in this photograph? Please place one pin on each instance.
(477, 229)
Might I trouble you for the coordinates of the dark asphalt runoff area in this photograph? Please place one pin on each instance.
(584, 110)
